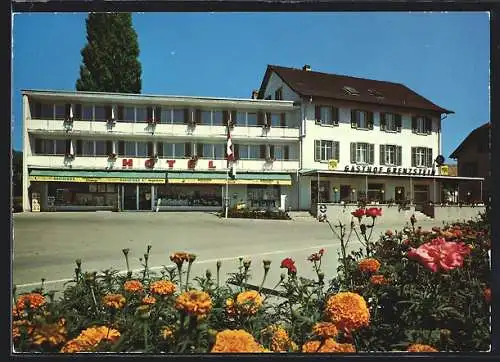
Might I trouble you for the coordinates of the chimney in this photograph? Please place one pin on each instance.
(306, 67)
(255, 94)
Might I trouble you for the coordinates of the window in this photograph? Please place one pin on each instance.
(44, 147)
(208, 150)
(47, 111)
(251, 119)
(241, 118)
(243, 150)
(218, 118)
(168, 150)
(276, 120)
(130, 149)
(87, 148)
(422, 125)
(350, 91)
(390, 155)
(361, 119)
(362, 153)
(141, 114)
(323, 192)
(375, 93)
(219, 150)
(326, 150)
(421, 157)
(100, 113)
(87, 113)
(326, 115)
(278, 94)
(60, 111)
(129, 114)
(253, 152)
(375, 192)
(421, 193)
(206, 117)
(178, 116)
(179, 150)
(100, 148)
(166, 116)
(60, 147)
(390, 122)
(142, 149)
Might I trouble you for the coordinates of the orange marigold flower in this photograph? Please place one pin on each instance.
(280, 341)
(378, 279)
(348, 311)
(231, 307)
(133, 286)
(18, 325)
(329, 345)
(325, 329)
(167, 333)
(421, 348)
(162, 287)
(179, 257)
(33, 300)
(369, 265)
(248, 302)
(53, 334)
(487, 295)
(149, 300)
(90, 338)
(194, 302)
(236, 341)
(116, 301)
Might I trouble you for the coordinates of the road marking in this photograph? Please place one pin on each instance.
(46, 282)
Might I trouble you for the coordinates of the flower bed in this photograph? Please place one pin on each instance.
(256, 214)
(412, 290)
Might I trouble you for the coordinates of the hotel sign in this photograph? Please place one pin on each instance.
(410, 171)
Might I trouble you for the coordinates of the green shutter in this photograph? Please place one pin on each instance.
(382, 121)
(354, 123)
(317, 150)
(414, 124)
(371, 153)
(429, 157)
(413, 157)
(353, 152)
(336, 154)
(382, 155)
(369, 120)
(399, 155)
(398, 123)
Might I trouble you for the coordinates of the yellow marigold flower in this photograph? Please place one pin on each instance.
(325, 329)
(133, 286)
(75, 346)
(17, 325)
(167, 333)
(162, 287)
(421, 348)
(378, 279)
(348, 311)
(194, 302)
(230, 307)
(328, 346)
(369, 265)
(149, 300)
(54, 333)
(33, 300)
(116, 301)
(90, 338)
(236, 341)
(249, 302)
(280, 341)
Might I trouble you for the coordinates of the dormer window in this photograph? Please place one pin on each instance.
(375, 93)
(350, 91)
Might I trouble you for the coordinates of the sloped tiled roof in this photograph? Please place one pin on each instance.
(308, 83)
(480, 134)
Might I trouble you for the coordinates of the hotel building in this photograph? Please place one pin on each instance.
(304, 138)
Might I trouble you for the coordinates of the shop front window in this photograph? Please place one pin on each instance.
(82, 194)
(421, 194)
(375, 192)
(323, 192)
(263, 197)
(189, 195)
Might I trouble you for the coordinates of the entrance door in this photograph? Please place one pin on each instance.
(144, 197)
(129, 197)
(400, 193)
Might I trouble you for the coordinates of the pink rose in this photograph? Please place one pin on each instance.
(439, 254)
(374, 212)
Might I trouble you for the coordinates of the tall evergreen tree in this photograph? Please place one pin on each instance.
(110, 57)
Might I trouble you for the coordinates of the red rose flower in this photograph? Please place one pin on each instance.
(439, 254)
(322, 251)
(374, 212)
(487, 295)
(289, 264)
(359, 213)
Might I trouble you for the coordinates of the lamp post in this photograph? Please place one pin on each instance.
(335, 191)
(353, 192)
(383, 198)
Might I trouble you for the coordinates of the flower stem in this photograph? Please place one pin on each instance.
(179, 269)
(146, 342)
(187, 276)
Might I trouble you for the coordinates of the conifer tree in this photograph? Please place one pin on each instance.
(110, 57)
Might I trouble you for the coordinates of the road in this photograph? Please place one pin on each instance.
(46, 245)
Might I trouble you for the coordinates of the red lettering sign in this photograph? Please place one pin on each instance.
(127, 162)
(191, 163)
(170, 163)
(149, 163)
(211, 164)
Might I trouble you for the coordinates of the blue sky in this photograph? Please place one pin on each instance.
(442, 56)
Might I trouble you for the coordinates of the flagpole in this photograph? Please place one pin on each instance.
(227, 189)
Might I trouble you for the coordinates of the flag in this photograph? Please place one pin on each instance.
(229, 147)
(112, 113)
(70, 111)
(71, 149)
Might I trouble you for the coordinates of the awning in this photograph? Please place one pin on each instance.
(127, 177)
(219, 178)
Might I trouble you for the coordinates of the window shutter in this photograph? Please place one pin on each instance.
(371, 155)
(317, 117)
(149, 114)
(429, 157)
(336, 151)
(283, 120)
(263, 151)
(382, 155)
(414, 124)
(158, 114)
(271, 151)
(428, 125)
(317, 150)
(399, 155)
(353, 152)
(225, 118)
(78, 147)
(369, 120)
(398, 122)
(186, 115)
(121, 148)
(120, 112)
(159, 149)
(109, 147)
(236, 151)
(413, 157)
(382, 122)
(260, 118)
(354, 122)
(335, 115)
(199, 150)
(77, 111)
(233, 117)
(66, 111)
(286, 152)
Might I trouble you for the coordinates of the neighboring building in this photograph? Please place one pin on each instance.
(473, 160)
(305, 135)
